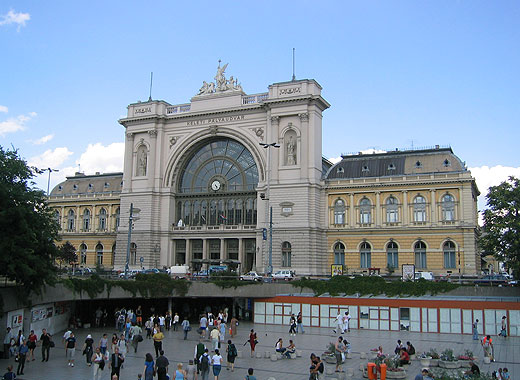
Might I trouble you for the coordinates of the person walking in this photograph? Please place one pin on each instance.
(292, 324)
(7, 342)
(346, 322)
(222, 327)
(88, 350)
(200, 348)
(203, 326)
(103, 344)
(339, 322)
(139, 316)
(31, 343)
(340, 350)
(9, 375)
(122, 344)
(250, 375)
(215, 335)
(204, 365)
(116, 362)
(149, 367)
(475, 329)
(45, 338)
(157, 342)
(191, 371)
(148, 325)
(70, 345)
(233, 327)
(252, 342)
(135, 334)
(216, 361)
(98, 359)
(503, 328)
(22, 356)
(180, 374)
(161, 366)
(186, 327)
(232, 353)
(299, 321)
(176, 321)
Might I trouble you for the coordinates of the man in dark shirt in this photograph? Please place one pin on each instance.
(161, 365)
(46, 345)
(116, 362)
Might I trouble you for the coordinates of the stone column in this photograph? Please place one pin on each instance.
(128, 161)
(204, 249)
(174, 252)
(77, 227)
(94, 225)
(241, 255)
(378, 209)
(352, 218)
(188, 252)
(63, 219)
(405, 208)
(152, 157)
(434, 217)
(276, 154)
(303, 159)
(222, 250)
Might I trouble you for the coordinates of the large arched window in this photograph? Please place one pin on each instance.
(392, 255)
(339, 253)
(99, 254)
(286, 254)
(365, 255)
(339, 212)
(419, 209)
(71, 221)
(102, 219)
(420, 255)
(83, 254)
(365, 211)
(230, 212)
(133, 254)
(450, 257)
(86, 220)
(392, 210)
(448, 208)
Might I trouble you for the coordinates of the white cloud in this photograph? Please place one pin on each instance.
(372, 151)
(4, 109)
(15, 124)
(13, 17)
(101, 158)
(51, 158)
(335, 160)
(43, 140)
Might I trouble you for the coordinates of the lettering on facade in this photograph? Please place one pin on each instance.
(143, 110)
(289, 91)
(215, 120)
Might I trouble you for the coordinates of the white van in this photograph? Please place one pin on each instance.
(179, 271)
(428, 276)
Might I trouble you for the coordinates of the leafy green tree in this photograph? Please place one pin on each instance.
(28, 228)
(67, 254)
(501, 231)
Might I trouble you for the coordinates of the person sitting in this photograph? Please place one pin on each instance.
(424, 375)
(473, 371)
(291, 349)
(404, 358)
(410, 349)
(398, 347)
(279, 346)
(380, 353)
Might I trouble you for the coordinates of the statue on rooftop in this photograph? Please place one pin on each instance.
(221, 84)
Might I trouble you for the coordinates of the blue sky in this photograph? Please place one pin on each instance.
(397, 73)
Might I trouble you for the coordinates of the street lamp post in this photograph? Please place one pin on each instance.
(131, 220)
(268, 195)
(49, 180)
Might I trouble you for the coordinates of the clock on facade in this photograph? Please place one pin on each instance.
(215, 185)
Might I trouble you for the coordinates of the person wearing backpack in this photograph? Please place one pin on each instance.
(231, 355)
(204, 365)
(199, 351)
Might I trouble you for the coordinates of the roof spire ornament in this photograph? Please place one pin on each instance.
(221, 84)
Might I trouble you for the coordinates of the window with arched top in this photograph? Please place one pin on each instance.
(420, 255)
(71, 220)
(113, 254)
(392, 255)
(365, 211)
(83, 254)
(339, 212)
(133, 254)
(419, 209)
(86, 220)
(392, 210)
(448, 207)
(365, 255)
(339, 253)
(99, 254)
(450, 257)
(286, 254)
(102, 219)
(118, 217)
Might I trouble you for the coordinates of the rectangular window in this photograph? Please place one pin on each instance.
(420, 259)
(449, 259)
(286, 259)
(366, 260)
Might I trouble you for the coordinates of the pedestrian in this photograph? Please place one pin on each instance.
(19, 340)
(104, 317)
(148, 326)
(186, 327)
(128, 325)
(475, 329)
(249, 375)
(122, 345)
(88, 350)
(216, 360)
(99, 314)
(292, 325)
(7, 342)
(346, 322)
(203, 326)
(149, 367)
(161, 366)
(222, 327)
(340, 352)
(45, 338)
(191, 371)
(176, 321)
(116, 362)
(231, 355)
(339, 322)
(70, 348)
(135, 333)
(204, 365)
(31, 343)
(65, 337)
(9, 375)
(279, 346)
(423, 375)
(290, 349)
(487, 344)
(503, 330)
(168, 321)
(162, 323)
(115, 339)
(215, 335)
(139, 316)
(200, 348)
(103, 344)
(22, 356)
(179, 374)
(98, 358)
(157, 342)
(252, 342)
(505, 374)
(233, 327)
(299, 321)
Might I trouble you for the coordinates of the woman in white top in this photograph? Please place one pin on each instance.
(216, 360)
(122, 345)
(97, 358)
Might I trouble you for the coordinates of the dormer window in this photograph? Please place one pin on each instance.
(365, 169)
(391, 167)
(60, 188)
(340, 170)
(107, 185)
(74, 187)
(418, 164)
(447, 163)
(90, 186)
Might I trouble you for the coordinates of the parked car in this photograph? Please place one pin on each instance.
(200, 274)
(251, 276)
(285, 274)
(179, 271)
(83, 271)
(492, 279)
(428, 276)
(131, 273)
(154, 271)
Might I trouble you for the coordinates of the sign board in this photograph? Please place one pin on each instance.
(336, 270)
(264, 233)
(408, 272)
(141, 259)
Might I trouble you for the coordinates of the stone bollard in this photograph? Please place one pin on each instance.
(299, 353)
(258, 355)
(362, 355)
(274, 357)
(267, 354)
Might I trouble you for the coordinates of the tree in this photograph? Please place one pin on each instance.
(67, 254)
(501, 231)
(27, 227)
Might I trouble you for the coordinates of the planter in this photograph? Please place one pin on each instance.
(487, 360)
(465, 363)
(434, 362)
(449, 365)
(425, 362)
(396, 374)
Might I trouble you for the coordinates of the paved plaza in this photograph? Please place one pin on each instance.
(507, 353)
